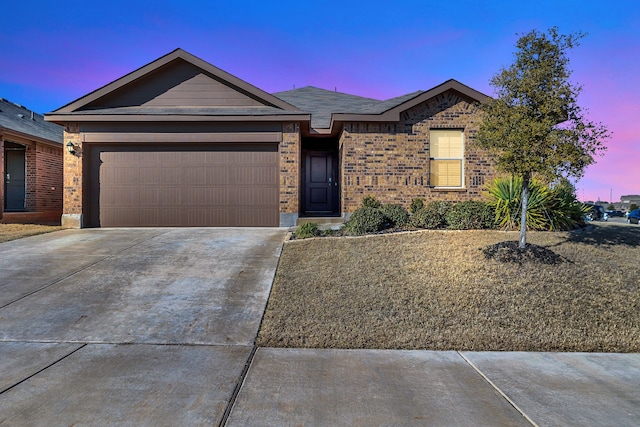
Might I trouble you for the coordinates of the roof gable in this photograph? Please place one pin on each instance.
(327, 107)
(177, 79)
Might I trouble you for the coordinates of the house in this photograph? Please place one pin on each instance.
(180, 142)
(31, 166)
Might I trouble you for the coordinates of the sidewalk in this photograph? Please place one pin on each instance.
(287, 387)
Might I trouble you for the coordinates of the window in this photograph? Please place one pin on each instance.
(447, 154)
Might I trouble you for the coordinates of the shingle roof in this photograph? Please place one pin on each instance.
(196, 111)
(323, 103)
(17, 118)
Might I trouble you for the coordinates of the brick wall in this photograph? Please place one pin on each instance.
(2, 175)
(48, 185)
(30, 178)
(391, 160)
(72, 196)
(43, 178)
(290, 168)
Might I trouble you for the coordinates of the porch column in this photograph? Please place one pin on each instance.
(2, 174)
(289, 174)
(72, 214)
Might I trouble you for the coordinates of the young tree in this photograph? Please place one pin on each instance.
(534, 126)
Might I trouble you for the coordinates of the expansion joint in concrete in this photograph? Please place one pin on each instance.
(497, 389)
(41, 370)
(236, 390)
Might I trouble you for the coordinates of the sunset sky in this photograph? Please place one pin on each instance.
(55, 52)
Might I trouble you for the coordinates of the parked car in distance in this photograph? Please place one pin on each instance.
(614, 214)
(595, 213)
(633, 217)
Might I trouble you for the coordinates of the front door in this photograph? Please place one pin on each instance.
(14, 180)
(321, 183)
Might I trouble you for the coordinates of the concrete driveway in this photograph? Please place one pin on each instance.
(157, 327)
(130, 326)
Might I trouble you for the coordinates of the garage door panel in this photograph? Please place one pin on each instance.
(151, 216)
(171, 175)
(170, 196)
(150, 196)
(216, 158)
(254, 217)
(196, 175)
(205, 196)
(218, 176)
(255, 197)
(186, 185)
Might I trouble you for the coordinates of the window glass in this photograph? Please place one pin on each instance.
(447, 154)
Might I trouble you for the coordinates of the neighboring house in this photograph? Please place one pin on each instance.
(31, 166)
(180, 142)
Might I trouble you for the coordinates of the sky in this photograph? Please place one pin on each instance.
(54, 52)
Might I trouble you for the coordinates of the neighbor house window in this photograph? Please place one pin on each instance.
(446, 150)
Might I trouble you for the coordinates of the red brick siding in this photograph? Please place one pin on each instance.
(72, 196)
(290, 168)
(43, 189)
(30, 178)
(48, 178)
(391, 160)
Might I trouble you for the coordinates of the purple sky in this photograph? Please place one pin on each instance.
(55, 52)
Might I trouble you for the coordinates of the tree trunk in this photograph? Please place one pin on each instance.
(523, 217)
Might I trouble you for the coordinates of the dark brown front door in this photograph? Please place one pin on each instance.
(14, 180)
(321, 183)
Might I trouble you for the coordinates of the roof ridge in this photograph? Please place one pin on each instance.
(325, 90)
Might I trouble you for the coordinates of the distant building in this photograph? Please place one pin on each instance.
(627, 201)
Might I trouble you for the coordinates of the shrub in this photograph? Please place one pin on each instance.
(371, 202)
(432, 215)
(471, 215)
(309, 229)
(563, 209)
(506, 198)
(366, 220)
(549, 208)
(396, 214)
(416, 205)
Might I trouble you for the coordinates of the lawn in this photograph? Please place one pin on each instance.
(437, 290)
(18, 231)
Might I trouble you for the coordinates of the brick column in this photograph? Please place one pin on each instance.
(72, 214)
(2, 174)
(289, 174)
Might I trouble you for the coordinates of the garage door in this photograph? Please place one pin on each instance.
(193, 186)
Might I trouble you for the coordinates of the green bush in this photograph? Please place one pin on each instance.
(506, 198)
(366, 220)
(396, 214)
(309, 229)
(471, 215)
(549, 208)
(371, 202)
(416, 205)
(432, 215)
(564, 211)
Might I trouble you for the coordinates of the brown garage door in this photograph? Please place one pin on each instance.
(190, 186)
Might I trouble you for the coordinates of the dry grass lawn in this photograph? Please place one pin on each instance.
(436, 290)
(18, 231)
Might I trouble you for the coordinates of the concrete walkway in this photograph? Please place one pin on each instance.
(156, 327)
